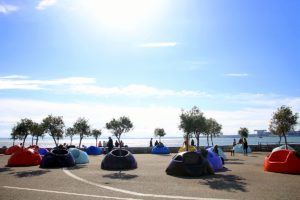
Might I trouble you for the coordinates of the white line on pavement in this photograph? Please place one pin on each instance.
(133, 193)
(68, 193)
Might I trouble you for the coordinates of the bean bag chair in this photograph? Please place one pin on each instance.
(159, 149)
(25, 157)
(43, 151)
(282, 161)
(220, 152)
(183, 149)
(92, 150)
(189, 164)
(283, 147)
(215, 160)
(239, 149)
(119, 160)
(57, 158)
(13, 149)
(80, 157)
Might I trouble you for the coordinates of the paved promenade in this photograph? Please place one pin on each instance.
(242, 178)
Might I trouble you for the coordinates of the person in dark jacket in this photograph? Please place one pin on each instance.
(110, 144)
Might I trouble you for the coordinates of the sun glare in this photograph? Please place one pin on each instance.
(121, 15)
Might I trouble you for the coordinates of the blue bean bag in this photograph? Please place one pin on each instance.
(43, 151)
(80, 157)
(92, 150)
(215, 160)
(160, 150)
(283, 147)
(239, 149)
(220, 152)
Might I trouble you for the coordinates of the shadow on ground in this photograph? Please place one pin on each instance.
(78, 166)
(5, 169)
(224, 182)
(233, 163)
(120, 175)
(24, 174)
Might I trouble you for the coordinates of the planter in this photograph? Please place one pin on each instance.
(183, 149)
(189, 164)
(79, 156)
(43, 151)
(116, 161)
(25, 157)
(57, 158)
(239, 149)
(283, 147)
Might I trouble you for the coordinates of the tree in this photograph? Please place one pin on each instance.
(192, 121)
(243, 132)
(119, 126)
(37, 131)
(22, 129)
(160, 132)
(14, 134)
(213, 129)
(82, 128)
(96, 133)
(54, 126)
(70, 132)
(283, 121)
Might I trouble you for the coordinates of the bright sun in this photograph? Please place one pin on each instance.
(121, 15)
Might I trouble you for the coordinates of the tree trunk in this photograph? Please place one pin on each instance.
(31, 140)
(187, 142)
(212, 143)
(280, 139)
(96, 141)
(14, 142)
(198, 142)
(80, 141)
(24, 141)
(36, 140)
(55, 141)
(207, 140)
(286, 147)
(71, 139)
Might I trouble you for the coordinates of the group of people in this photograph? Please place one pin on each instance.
(110, 144)
(242, 141)
(157, 143)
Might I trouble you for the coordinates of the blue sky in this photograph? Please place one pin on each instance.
(238, 61)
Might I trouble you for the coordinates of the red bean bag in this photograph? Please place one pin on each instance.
(13, 149)
(282, 161)
(26, 157)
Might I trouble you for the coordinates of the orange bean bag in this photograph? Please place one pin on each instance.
(26, 157)
(282, 161)
(13, 149)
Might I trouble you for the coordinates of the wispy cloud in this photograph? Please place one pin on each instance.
(6, 8)
(24, 83)
(237, 74)
(86, 85)
(43, 4)
(159, 44)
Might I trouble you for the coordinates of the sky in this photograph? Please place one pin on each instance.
(238, 61)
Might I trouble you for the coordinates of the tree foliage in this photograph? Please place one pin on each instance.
(119, 126)
(82, 128)
(37, 131)
(23, 129)
(213, 128)
(54, 126)
(283, 121)
(159, 132)
(96, 133)
(243, 132)
(70, 132)
(191, 122)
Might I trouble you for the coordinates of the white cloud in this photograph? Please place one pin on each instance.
(159, 44)
(43, 4)
(237, 74)
(5, 8)
(85, 85)
(14, 77)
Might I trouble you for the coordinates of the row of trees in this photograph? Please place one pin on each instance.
(194, 123)
(54, 126)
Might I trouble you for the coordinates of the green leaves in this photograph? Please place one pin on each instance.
(243, 132)
(119, 126)
(54, 126)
